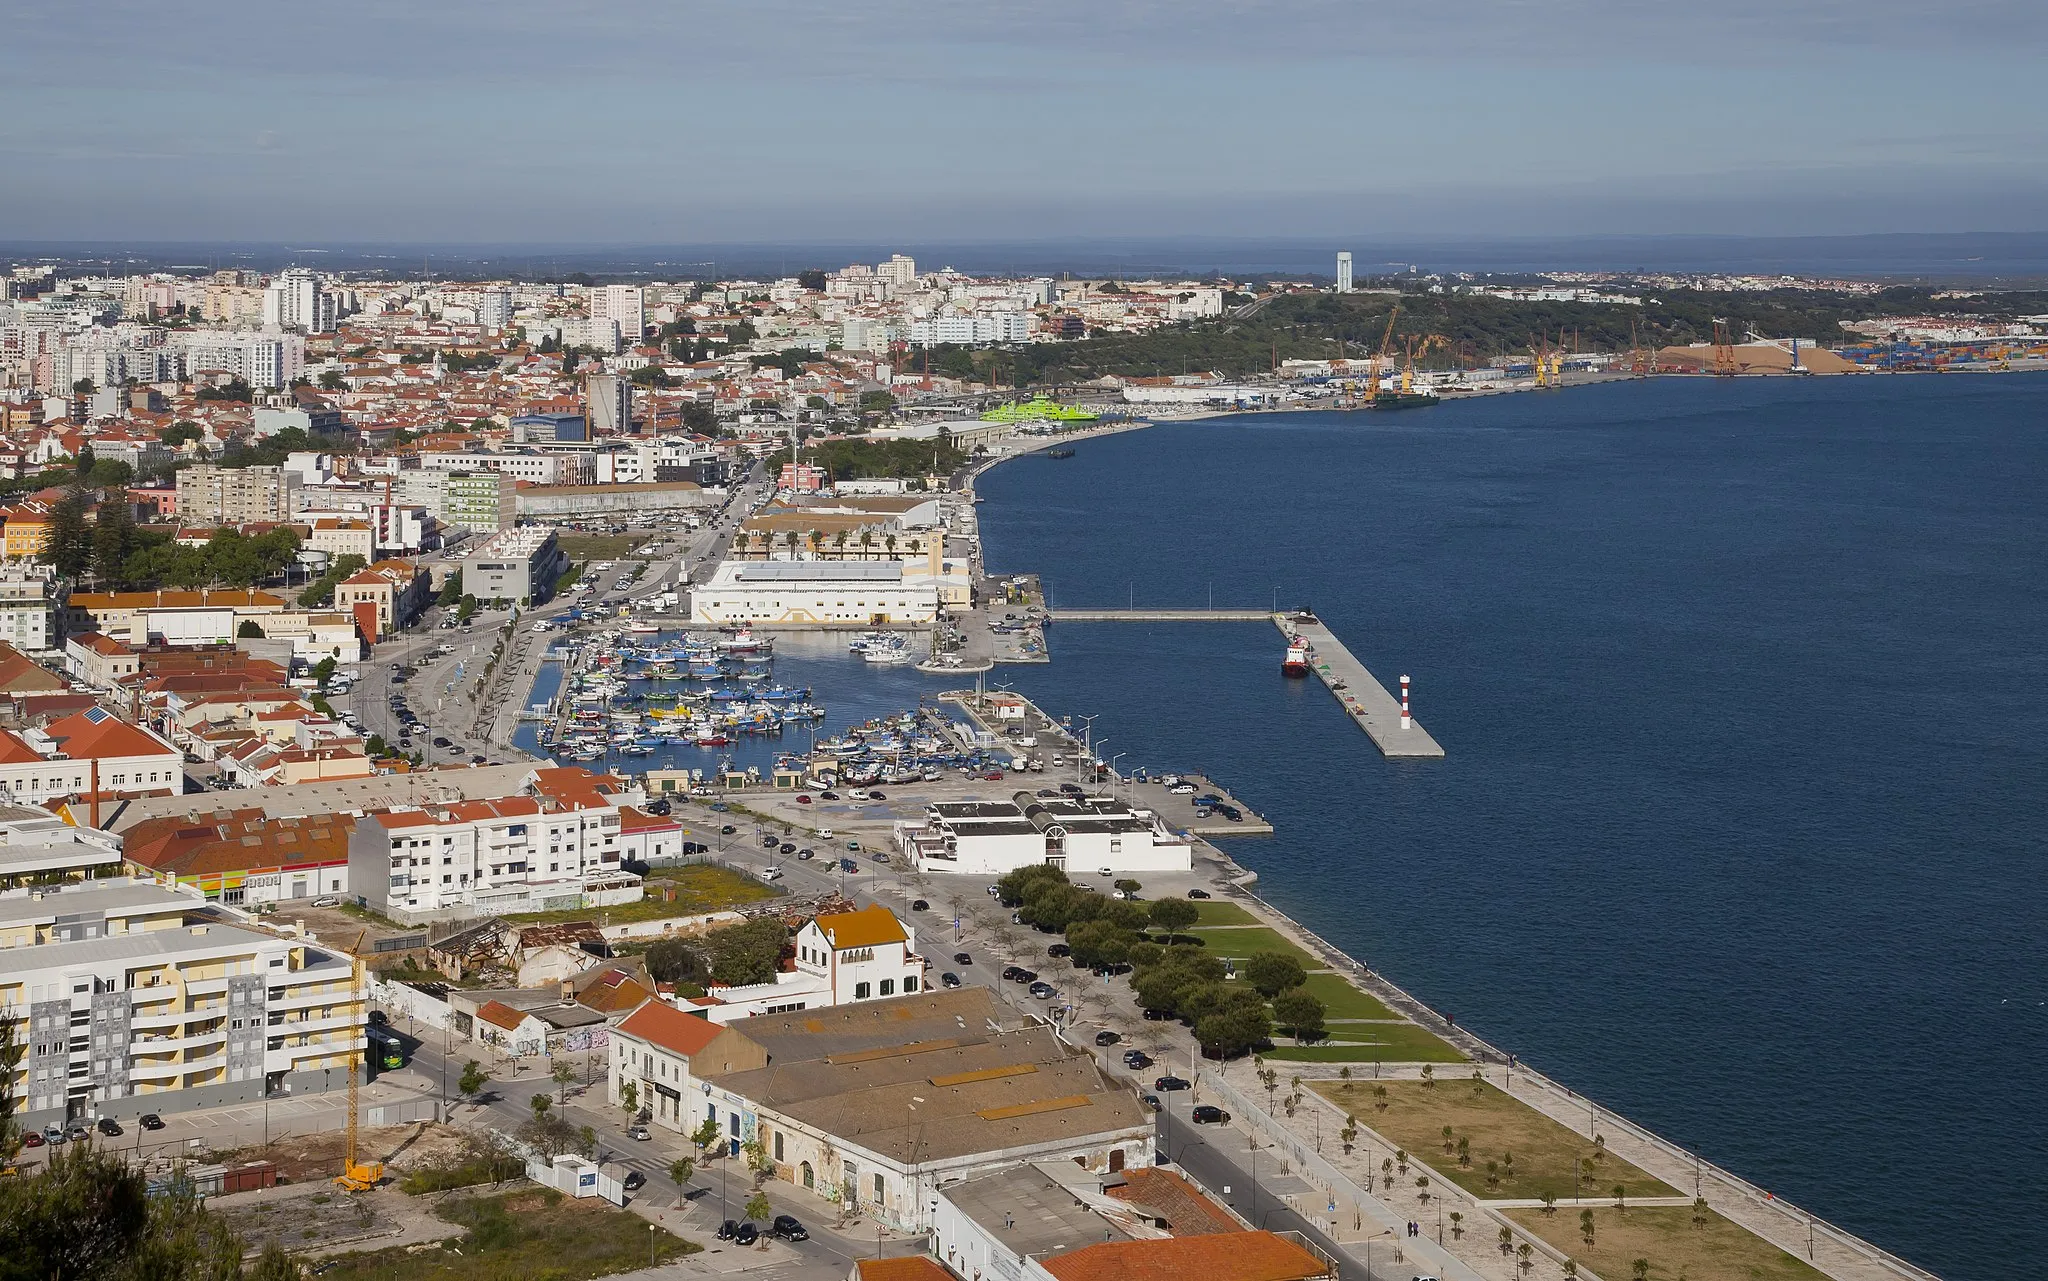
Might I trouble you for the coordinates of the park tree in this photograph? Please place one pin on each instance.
(757, 1206)
(1173, 915)
(681, 1169)
(249, 630)
(1273, 973)
(629, 1098)
(1300, 1013)
(472, 1082)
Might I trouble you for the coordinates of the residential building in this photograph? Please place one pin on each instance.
(1089, 834)
(99, 661)
(884, 1101)
(29, 601)
(556, 844)
(478, 501)
(392, 592)
(240, 857)
(129, 998)
(518, 564)
(214, 495)
(623, 305)
(295, 300)
(494, 309)
(340, 536)
(262, 360)
(20, 675)
(89, 754)
(814, 594)
(841, 957)
(137, 618)
(610, 401)
(38, 848)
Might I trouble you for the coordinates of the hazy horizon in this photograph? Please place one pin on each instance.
(643, 123)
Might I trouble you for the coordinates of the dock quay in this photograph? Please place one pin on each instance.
(1364, 699)
(1159, 615)
(996, 715)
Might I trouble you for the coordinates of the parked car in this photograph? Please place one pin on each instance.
(639, 1132)
(805, 856)
(1198, 894)
(1043, 991)
(53, 1134)
(787, 1227)
(1182, 789)
(1210, 1114)
(1158, 1016)
(949, 979)
(77, 1130)
(728, 1229)
(379, 1018)
(727, 830)
(770, 840)
(848, 866)
(786, 848)
(1152, 1101)
(331, 900)
(1027, 976)
(1168, 1084)
(1059, 949)
(746, 1235)
(803, 800)
(963, 958)
(33, 1139)
(828, 796)
(151, 1121)
(920, 905)
(633, 1180)
(1011, 971)
(1107, 1038)
(1137, 1060)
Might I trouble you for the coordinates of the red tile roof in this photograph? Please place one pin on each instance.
(1220, 1256)
(659, 1023)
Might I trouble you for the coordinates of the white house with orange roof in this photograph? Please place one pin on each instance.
(92, 752)
(841, 958)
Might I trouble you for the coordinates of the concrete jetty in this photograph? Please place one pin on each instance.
(1364, 699)
(1158, 615)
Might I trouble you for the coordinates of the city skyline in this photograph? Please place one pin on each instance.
(652, 124)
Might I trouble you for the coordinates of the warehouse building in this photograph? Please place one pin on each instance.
(816, 593)
(1080, 834)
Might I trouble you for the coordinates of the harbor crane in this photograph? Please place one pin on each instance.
(1419, 346)
(356, 1176)
(1724, 349)
(1372, 376)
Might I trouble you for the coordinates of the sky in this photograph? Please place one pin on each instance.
(742, 121)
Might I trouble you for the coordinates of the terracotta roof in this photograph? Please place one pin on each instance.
(871, 926)
(15, 752)
(1186, 1210)
(1219, 1256)
(499, 1014)
(659, 1023)
(96, 732)
(20, 673)
(904, 1267)
(99, 644)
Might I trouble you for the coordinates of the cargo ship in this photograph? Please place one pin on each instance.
(1062, 452)
(1296, 663)
(1403, 400)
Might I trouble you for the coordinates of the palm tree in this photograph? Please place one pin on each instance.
(889, 545)
(1457, 1225)
(1586, 1225)
(1525, 1257)
(839, 542)
(1699, 1213)
(1507, 1241)
(867, 542)
(1379, 1094)
(1422, 1188)
(817, 542)
(1448, 1144)
(792, 538)
(1620, 1197)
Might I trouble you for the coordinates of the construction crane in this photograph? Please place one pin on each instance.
(356, 1176)
(1372, 376)
(1724, 350)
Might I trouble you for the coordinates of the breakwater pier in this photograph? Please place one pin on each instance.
(1365, 700)
(1158, 615)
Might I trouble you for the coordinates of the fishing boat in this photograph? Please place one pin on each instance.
(1296, 663)
(1063, 451)
(894, 650)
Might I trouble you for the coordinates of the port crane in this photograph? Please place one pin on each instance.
(356, 1176)
(1724, 349)
(1372, 375)
(1419, 345)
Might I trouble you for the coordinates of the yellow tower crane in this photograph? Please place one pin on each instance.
(356, 1176)
(1419, 346)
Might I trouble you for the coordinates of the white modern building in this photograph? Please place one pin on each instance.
(1090, 834)
(128, 999)
(558, 845)
(28, 606)
(296, 301)
(816, 593)
(259, 359)
(841, 958)
(623, 305)
(519, 564)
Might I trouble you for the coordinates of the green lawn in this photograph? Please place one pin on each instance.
(1372, 1043)
(528, 1235)
(1237, 944)
(1665, 1236)
(1498, 1126)
(1343, 1001)
(1214, 912)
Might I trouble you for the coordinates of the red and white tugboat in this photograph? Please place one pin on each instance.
(1296, 662)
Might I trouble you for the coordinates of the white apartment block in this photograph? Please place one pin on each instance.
(296, 301)
(128, 1000)
(1093, 835)
(976, 330)
(260, 359)
(28, 606)
(91, 752)
(474, 858)
(623, 305)
(540, 469)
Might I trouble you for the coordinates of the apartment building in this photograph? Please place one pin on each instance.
(38, 848)
(557, 844)
(478, 502)
(624, 305)
(29, 600)
(134, 618)
(397, 590)
(259, 359)
(129, 997)
(208, 494)
(241, 857)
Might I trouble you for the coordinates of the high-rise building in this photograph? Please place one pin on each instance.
(610, 399)
(1344, 272)
(236, 495)
(494, 308)
(900, 270)
(261, 360)
(295, 300)
(625, 304)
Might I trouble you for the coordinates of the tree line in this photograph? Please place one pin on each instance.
(104, 545)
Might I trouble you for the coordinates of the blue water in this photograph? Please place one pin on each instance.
(1742, 686)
